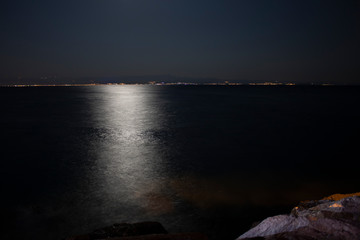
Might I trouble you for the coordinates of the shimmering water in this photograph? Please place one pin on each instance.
(211, 159)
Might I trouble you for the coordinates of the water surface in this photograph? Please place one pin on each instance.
(211, 159)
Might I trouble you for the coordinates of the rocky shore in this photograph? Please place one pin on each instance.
(336, 217)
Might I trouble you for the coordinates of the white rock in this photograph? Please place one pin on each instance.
(324, 219)
(274, 225)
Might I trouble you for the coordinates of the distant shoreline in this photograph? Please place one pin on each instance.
(177, 84)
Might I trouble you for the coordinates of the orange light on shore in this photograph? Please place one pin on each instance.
(336, 205)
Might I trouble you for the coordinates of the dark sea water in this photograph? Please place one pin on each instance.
(211, 159)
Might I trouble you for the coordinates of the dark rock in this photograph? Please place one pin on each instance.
(143, 228)
(177, 236)
(123, 230)
(137, 231)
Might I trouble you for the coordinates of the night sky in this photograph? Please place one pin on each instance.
(255, 40)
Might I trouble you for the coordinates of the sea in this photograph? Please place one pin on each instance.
(209, 159)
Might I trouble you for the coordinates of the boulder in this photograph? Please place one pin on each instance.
(334, 217)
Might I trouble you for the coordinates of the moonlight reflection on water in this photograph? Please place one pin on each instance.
(129, 169)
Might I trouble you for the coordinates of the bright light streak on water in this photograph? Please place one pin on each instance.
(129, 169)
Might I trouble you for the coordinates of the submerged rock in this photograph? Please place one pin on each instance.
(334, 217)
(127, 229)
(137, 231)
(123, 230)
(175, 236)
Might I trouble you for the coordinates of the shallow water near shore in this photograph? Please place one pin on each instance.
(209, 159)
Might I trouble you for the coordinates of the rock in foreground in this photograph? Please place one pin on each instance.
(334, 217)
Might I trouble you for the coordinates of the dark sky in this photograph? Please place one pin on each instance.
(284, 40)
